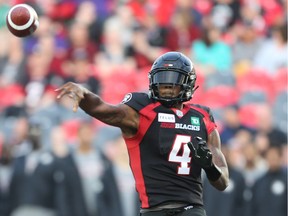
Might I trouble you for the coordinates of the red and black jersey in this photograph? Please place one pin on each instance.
(159, 156)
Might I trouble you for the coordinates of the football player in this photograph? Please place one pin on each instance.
(169, 140)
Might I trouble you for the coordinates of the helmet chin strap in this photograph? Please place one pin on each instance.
(194, 89)
(170, 102)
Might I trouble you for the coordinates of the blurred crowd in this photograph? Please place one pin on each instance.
(54, 162)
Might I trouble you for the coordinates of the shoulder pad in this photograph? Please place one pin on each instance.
(137, 100)
(205, 109)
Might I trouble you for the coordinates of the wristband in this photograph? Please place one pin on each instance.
(213, 173)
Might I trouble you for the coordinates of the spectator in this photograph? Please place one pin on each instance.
(253, 167)
(70, 198)
(231, 124)
(6, 160)
(94, 20)
(52, 114)
(118, 197)
(103, 8)
(191, 7)
(4, 7)
(90, 165)
(81, 70)
(86, 12)
(154, 31)
(210, 54)
(274, 51)
(38, 75)
(114, 49)
(20, 138)
(32, 185)
(79, 41)
(182, 31)
(270, 191)
(245, 47)
(231, 202)
(140, 49)
(266, 126)
(51, 37)
(83, 168)
(225, 13)
(12, 63)
(251, 13)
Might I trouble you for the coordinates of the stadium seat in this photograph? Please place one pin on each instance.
(141, 79)
(115, 86)
(11, 95)
(248, 115)
(253, 97)
(255, 80)
(71, 129)
(219, 96)
(200, 81)
(217, 79)
(280, 107)
(280, 81)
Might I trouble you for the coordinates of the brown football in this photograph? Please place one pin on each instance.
(22, 20)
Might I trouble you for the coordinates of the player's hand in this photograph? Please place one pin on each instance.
(200, 152)
(75, 91)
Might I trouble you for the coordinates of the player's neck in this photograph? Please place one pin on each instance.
(178, 106)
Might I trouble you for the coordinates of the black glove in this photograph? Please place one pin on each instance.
(203, 156)
(200, 152)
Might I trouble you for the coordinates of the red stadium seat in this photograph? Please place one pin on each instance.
(248, 115)
(115, 86)
(141, 79)
(280, 81)
(219, 96)
(255, 80)
(71, 129)
(11, 95)
(200, 81)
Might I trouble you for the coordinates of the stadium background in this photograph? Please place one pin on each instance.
(239, 49)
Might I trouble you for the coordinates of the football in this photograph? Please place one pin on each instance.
(22, 20)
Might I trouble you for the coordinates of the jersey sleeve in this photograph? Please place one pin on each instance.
(136, 100)
(211, 125)
(208, 117)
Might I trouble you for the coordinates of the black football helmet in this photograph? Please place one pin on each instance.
(172, 68)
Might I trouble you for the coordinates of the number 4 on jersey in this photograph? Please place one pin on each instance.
(180, 153)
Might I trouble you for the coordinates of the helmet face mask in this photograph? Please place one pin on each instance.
(172, 68)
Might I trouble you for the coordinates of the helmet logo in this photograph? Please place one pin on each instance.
(167, 65)
(127, 98)
(192, 76)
